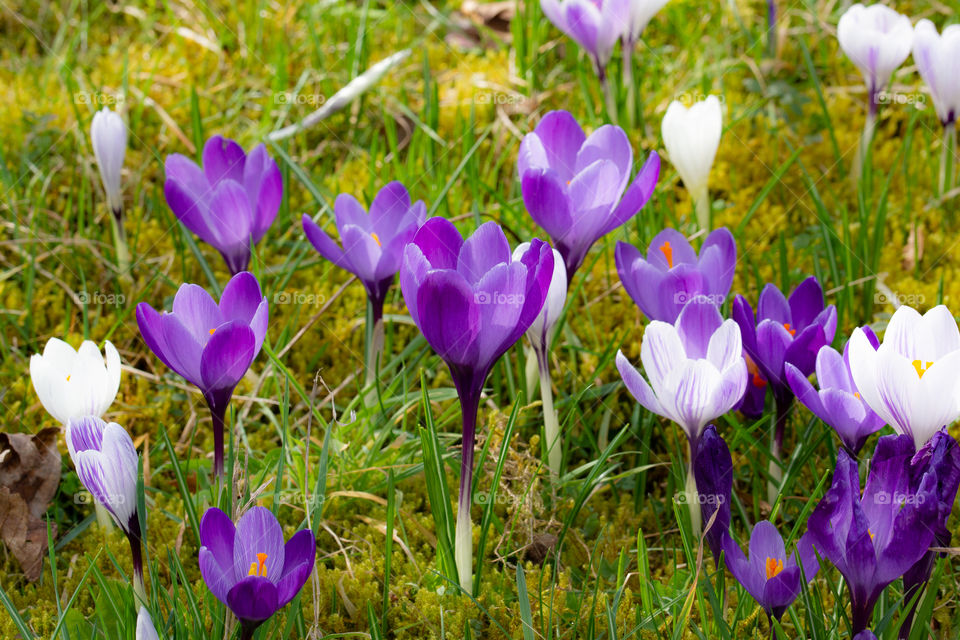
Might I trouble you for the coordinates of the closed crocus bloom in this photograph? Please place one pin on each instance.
(541, 330)
(874, 539)
(695, 368)
(595, 25)
(641, 12)
(472, 301)
(910, 380)
(838, 402)
(672, 273)
(230, 202)
(108, 466)
(108, 133)
(575, 187)
(210, 345)
(78, 383)
(938, 60)
(768, 575)
(691, 137)
(249, 568)
(713, 472)
(877, 40)
(145, 628)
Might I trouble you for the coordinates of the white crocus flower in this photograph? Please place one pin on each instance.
(877, 40)
(641, 12)
(911, 380)
(692, 136)
(71, 383)
(145, 628)
(108, 133)
(938, 59)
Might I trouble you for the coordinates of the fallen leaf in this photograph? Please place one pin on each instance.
(29, 477)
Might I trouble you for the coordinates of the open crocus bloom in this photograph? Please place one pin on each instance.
(910, 381)
(572, 184)
(372, 245)
(249, 568)
(873, 539)
(938, 60)
(74, 383)
(229, 203)
(769, 575)
(838, 402)
(672, 273)
(695, 368)
(210, 345)
(595, 25)
(877, 40)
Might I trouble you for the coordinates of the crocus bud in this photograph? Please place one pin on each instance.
(595, 25)
(938, 59)
(107, 465)
(145, 628)
(109, 136)
(692, 136)
(541, 331)
(78, 383)
(641, 12)
(877, 40)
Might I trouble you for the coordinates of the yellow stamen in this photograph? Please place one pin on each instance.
(773, 567)
(667, 251)
(871, 534)
(856, 394)
(211, 331)
(68, 378)
(921, 367)
(792, 332)
(259, 568)
(376, 239)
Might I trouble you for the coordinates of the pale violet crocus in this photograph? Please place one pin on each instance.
(74, 383)
(910, 381)
(695, 374)
(692, 137)
(145, 628)
(108, 467)
(108, 135)
(877, 40)
(540, 335)
(938, 60)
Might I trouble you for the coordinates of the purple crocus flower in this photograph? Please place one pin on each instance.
(249, 568)
(754, 398)
(713, 471)
(229, 203)
(769, 576)
(572, 184)
(672, 274)
(210, 345)
(838, 403)
(108, 466)
(472, 301)
(596, 25)
(785, 331)
(876, 538)
(941, 455)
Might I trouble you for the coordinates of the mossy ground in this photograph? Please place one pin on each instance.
(453, 114)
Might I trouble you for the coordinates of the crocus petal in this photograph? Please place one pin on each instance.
(258, 536)
(196, 311)
(486, 248)
(253, 599)
(227, 356)
(223, 159)
(450, 318)
(324, 245)
(638, 387)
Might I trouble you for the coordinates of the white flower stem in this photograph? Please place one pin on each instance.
(866, 139)
(120, 242)
(628, 84)
(701, 204)
(551, 422)
(946, 158)
(374, 353)
(693, 499)
(609, 99)
(463, 536)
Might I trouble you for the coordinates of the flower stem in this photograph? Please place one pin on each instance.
(693, 498)
(375, 339)
(628, 84)
(701, 203)
(551, 422)
(866, 139)
(120, 242)
(463, 542)
(776, 449)
(136, 554)
(946, 158)
(608, 97)
(218, 413)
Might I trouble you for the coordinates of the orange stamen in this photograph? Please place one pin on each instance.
(259, 568)
(376, 239)
(211, 331)
(774, 567)
(667, 253)
(792, 332)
